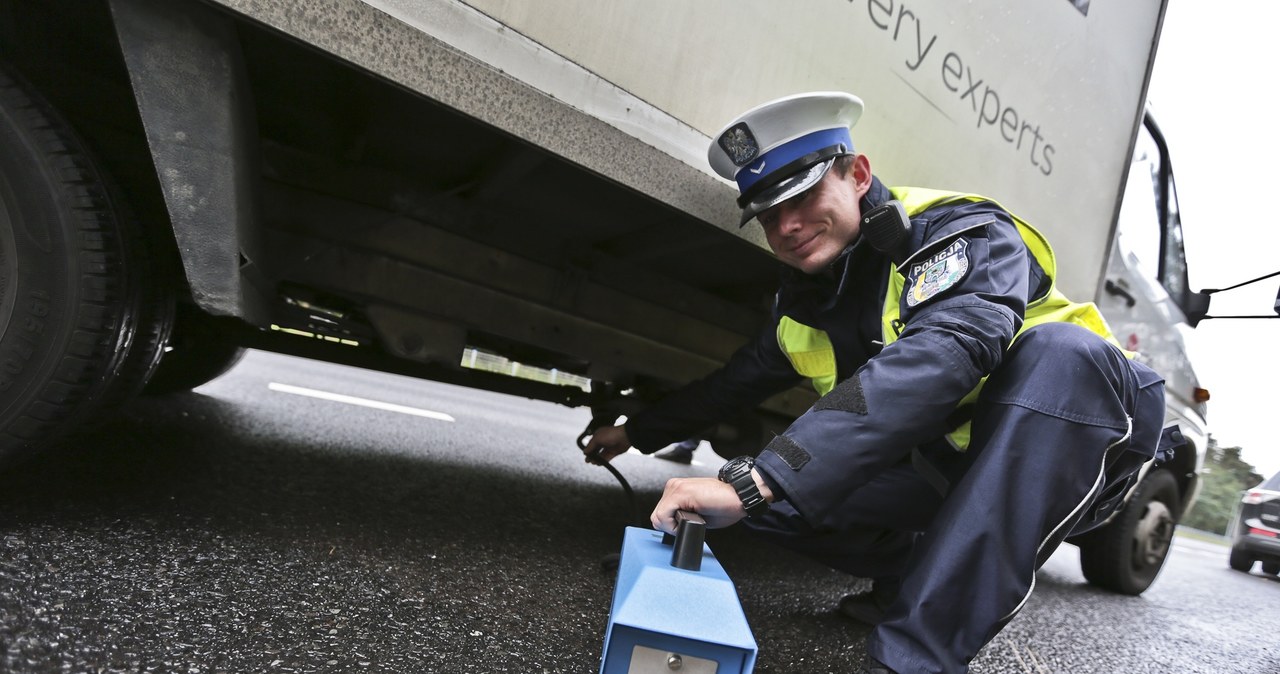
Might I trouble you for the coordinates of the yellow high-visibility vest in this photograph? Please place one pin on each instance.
(812, 355)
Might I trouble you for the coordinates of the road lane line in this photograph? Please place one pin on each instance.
(361, 402)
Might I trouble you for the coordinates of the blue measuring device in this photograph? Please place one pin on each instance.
(675, 608)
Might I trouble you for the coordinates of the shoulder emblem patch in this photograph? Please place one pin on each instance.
(938, 272)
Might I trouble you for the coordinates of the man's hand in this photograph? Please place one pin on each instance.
(605, 443)
(716, 501)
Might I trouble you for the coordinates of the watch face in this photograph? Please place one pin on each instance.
(735, 467)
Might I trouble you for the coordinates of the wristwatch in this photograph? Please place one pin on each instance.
(737, 473)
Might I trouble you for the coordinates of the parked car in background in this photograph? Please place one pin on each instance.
(1256, 530)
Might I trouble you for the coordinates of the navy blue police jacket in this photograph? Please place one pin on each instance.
(891, 399)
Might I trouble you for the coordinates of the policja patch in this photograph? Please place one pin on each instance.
(938, 272)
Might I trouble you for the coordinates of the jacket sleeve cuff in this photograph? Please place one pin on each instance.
(779, 492)
(642, 438)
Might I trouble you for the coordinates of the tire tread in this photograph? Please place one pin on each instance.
(98, 329)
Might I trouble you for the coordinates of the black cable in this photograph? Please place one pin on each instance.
(631, 496)
(609, 563)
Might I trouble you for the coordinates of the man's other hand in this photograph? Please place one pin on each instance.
(605, 443)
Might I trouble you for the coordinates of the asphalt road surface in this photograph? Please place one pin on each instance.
(259, 524)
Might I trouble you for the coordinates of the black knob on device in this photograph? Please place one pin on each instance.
(686, 550)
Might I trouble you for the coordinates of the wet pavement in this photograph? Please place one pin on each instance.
(244, 529)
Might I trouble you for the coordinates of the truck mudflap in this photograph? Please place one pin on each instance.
(187, 74)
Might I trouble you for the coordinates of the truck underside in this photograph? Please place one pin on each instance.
(297, 191)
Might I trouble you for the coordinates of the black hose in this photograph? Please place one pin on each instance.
(631, 496)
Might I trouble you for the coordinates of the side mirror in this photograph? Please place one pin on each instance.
(1196, 306)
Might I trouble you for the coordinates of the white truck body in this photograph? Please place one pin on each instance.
(388, 182)
(1033, 104)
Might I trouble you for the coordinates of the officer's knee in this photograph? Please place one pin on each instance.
(1061, 358)
(1065, 334)
(1065, 348)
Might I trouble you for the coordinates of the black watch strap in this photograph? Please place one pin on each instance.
(737, 473)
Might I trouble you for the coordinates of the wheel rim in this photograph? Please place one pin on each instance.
(1153, 535)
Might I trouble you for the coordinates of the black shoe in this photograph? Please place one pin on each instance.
(868, 607)
(874, 666)
(677, 454)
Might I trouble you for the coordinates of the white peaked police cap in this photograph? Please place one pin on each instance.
(779, 149)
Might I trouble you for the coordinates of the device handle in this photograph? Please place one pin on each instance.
(686, 544)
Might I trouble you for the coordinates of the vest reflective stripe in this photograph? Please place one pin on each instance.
(812, 355)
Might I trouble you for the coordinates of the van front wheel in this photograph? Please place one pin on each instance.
(1127, 554)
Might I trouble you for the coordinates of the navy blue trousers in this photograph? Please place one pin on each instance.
(1061, 409)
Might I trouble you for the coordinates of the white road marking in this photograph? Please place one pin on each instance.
(361, 402)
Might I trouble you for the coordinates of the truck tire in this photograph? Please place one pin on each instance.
(155, 323)
(1240, 561)
(1271, 568)
(1126, 555)
(152, 272)
(197, 353)
(66, 299)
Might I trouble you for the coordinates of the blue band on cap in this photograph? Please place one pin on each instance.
(788, 152)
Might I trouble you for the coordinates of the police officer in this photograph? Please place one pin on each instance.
(971, 416)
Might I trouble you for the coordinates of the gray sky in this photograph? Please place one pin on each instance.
(1211, 92)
